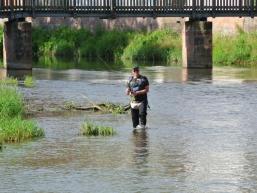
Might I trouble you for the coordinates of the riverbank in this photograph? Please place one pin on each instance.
(13, 128)
(115, 46)
(127, 47)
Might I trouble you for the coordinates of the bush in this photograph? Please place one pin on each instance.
(160, 45)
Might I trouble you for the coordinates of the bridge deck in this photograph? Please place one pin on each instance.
(127, 8)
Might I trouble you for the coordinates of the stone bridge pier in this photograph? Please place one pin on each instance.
(197, 44)
(17, 45)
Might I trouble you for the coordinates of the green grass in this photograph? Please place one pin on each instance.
(90, 129)
(103, 45)
(9, 81)
(160, 45)
(12, 127)
(239, 50)
(29, 82)
(14, 130)
(11, 104)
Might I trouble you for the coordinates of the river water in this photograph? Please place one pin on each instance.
(202, 135)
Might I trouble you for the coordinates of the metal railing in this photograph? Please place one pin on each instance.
(127, 8)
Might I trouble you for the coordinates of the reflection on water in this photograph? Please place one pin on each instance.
(202, 135)
(140, 140)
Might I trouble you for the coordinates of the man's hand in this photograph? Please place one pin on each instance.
(128, 91)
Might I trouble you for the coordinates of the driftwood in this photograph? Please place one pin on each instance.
(99, 107)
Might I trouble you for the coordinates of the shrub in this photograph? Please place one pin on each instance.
(160, 45)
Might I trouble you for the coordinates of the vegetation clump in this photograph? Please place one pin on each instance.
(12, 127)
(90, 129)
(29, 82)
(11, 104)
(160, 45)
(9, 81)
(16, 129)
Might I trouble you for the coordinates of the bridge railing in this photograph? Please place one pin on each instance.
(128, 7)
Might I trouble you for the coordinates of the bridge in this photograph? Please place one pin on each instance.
(197, 32)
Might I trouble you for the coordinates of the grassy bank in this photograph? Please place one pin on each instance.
(239, 50)
(12, 127)
(126, 47)
(116, 46)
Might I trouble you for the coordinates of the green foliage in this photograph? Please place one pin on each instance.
(58, 42)
(90, 129)
(12, 127)
(9, 81)
(11, 103)
(18, 130)
(114, 45)
(29, 82)
(161, 45)
(238, 50)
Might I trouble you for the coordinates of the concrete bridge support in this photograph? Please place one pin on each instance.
(17, 45)
(197, 44)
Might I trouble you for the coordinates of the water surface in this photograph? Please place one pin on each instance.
(202, 135)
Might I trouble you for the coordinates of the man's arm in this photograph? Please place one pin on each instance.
(142, 92)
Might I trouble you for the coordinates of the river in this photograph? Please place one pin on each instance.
(202, 135)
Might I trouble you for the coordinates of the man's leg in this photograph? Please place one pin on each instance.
(135, 117)
(143, 113)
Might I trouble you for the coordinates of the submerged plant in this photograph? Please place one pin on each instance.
(29, 82)
(90, 129)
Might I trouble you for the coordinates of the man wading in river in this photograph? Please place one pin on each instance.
(137, 88)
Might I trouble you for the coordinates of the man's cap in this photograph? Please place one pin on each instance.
(135, 68)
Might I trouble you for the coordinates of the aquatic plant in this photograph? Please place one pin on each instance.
(113, 108)
(9, 81)
(18, 130)
(12, 127)
(11, 103)
(29, 82)
(90, 129)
